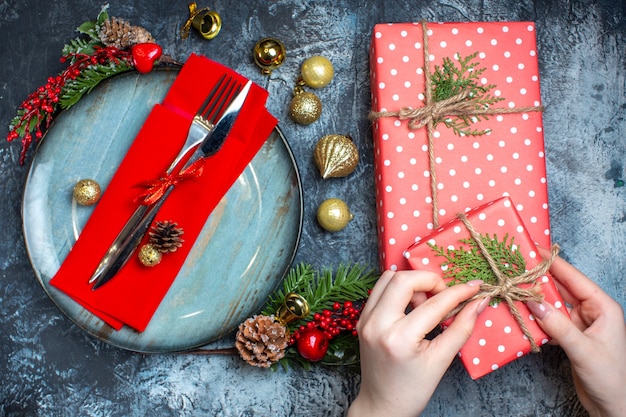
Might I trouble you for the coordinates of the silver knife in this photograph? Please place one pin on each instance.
(119, 254)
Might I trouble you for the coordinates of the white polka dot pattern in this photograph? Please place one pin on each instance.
(497, 338)
(509, 161)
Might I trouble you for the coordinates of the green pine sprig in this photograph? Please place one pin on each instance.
(450, 79)
(322, 289)
(465, 264)
(88, 79)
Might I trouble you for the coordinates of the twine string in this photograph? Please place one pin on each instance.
(508, 288)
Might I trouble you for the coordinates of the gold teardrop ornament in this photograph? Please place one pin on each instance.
(305, 107)
(336, 156)
(334, 215)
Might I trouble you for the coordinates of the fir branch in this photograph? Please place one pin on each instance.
(450, 80)
(75, 89)
(322, 289)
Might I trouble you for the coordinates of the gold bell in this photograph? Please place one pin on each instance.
(294, 307)
(206, 21)
(269, 54)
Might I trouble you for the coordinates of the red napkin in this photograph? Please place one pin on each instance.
(134, 294)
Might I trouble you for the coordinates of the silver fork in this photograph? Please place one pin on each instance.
(206, 117)
(203, 122)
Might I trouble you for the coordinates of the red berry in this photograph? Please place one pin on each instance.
(312, 344)
(144, 55)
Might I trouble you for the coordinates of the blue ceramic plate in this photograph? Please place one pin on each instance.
(246, 246)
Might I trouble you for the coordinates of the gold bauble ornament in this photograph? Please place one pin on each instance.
(305, 107)
(269, 54)
(87, 192)
(149, 255)
(317, 71)
(335, 156)
(334, 215)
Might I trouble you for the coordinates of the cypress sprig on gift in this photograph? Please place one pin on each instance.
(450, 80)
(465, 264)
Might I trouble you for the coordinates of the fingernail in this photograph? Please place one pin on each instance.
(474, 282)
(483, 305)
(539, 310)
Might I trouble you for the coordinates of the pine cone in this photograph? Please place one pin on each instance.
(141, 35)
(121, 34)
(166, 237)
(261, 341)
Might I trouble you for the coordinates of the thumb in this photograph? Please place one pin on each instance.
(557, 325)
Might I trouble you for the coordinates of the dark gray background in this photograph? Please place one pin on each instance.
(48, 366)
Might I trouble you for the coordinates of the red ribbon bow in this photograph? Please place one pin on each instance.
(156, 188)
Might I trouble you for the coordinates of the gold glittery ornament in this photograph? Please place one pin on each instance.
(317, 71)
(305, 107)
(269, 54)
(87, 192)
(335, 156)
(333, 214)
(149, 255)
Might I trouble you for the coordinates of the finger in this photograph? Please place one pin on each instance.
(560, 328)
(377, 291)
(575, 282)
(451, 340)
(565, 294)
(430, 313)
(400, 290)
(417, 299)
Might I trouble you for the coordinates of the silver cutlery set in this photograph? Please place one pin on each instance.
(208, 131)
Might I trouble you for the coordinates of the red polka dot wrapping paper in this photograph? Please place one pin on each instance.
(497, 338)
(471, 170)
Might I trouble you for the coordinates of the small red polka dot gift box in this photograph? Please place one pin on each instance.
(457, 122)
(451, 251)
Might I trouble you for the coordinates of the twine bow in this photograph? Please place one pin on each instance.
(155, 189)
(434, 111)
(508, 288)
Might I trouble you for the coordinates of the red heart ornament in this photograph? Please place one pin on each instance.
(145, 55)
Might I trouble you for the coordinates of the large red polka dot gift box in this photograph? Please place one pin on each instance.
(499, 337)
(457, 122)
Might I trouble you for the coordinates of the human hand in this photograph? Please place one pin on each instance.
(594, 339)
(400, 369)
